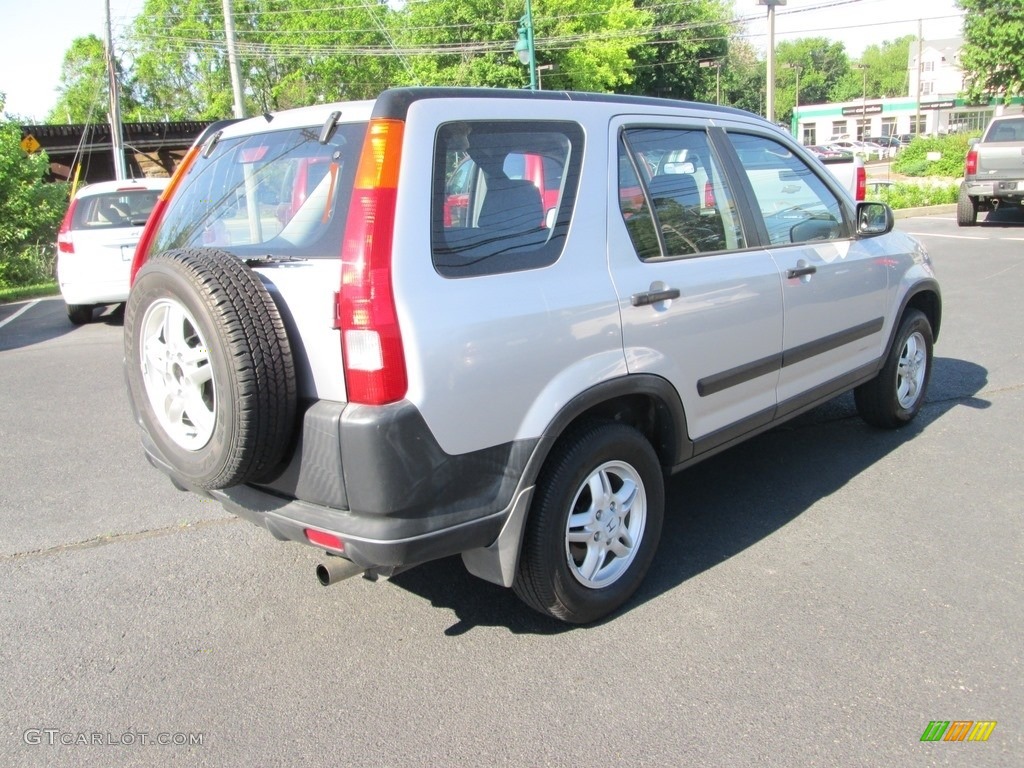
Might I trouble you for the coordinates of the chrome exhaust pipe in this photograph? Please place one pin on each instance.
(336, 569)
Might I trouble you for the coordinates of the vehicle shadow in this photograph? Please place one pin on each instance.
(1005, 216)
(722, 506)
(47, 320)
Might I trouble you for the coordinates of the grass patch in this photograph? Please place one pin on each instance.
(23, 292)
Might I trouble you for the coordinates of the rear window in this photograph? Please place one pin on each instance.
(503, 194)
(123, 208)
(1006, 130)
(279, 193)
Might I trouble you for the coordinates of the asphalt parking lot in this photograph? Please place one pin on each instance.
(821, 594)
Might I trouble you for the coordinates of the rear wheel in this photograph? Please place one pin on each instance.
(893, 398)
(80, 314)
(594, 524)
(209, 367)
(966, 210)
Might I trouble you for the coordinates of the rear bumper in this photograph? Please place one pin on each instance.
(397, 499)
(1002, 189)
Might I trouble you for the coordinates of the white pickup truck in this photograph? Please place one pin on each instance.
(850, 173)
(993, 171)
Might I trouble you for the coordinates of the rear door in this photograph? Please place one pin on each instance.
(700, 301)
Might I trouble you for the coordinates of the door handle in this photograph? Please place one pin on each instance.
(801, 271)
(653, 297)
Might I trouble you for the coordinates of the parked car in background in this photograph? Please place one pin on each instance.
(891, 143)
(863, 149)
(822, 151)
(97, 239)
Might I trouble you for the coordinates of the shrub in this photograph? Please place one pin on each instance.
(917, 195)
(913, 160)
(30, 212)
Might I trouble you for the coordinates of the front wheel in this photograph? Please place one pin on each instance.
(893, 398)
(594, 524)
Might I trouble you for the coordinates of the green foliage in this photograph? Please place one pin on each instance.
(84, 88)
(913, 160)
(667, 61)
(28, 292)
(881, 72)
(992, 57)
(822, 66)
(917, 195)
(30, 212)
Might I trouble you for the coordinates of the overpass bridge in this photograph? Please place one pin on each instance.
(151, 149)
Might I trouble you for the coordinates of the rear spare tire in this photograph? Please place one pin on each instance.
(209, 367)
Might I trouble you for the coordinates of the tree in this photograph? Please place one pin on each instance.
(470, 42)
(822, 65)
(85, 88)
(30, 211)
(667, 62)
(992, 57)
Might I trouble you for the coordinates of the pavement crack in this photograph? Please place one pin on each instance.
(117, 538)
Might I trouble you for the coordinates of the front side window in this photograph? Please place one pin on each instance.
(794, 202)
(503, 195)
(672, 195)
(281, 193)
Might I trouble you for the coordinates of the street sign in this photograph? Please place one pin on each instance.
(30, 144)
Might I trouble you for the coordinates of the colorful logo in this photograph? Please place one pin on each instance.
(958, 730)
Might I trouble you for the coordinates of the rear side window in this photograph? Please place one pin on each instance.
(124, 208)
(281, 193)
(673, 197)
(503, 195)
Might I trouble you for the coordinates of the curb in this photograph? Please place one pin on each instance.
(929, 210)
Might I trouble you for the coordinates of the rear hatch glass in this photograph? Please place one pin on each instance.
(114, 210)
(279, 193)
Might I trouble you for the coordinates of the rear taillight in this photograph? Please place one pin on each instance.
(157, 215)
(709, 195)
(366, 314)
(65, 243)
(971, 166)
(862, 183)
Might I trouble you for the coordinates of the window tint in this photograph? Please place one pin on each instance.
(796, 205)
(682, 205)
(281, 192)
(503, 195)
(124, 208)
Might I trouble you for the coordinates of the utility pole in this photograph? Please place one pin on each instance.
(116, 137)
(718, 77)
(920, 68)
(236, 73)
(770, 75)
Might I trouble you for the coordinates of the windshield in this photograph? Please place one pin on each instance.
(279, 193)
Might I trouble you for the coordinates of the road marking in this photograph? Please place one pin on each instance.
(952, 237)
(19, 313)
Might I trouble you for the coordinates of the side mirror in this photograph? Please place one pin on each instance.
(874, 219)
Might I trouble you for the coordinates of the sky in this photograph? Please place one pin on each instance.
(35, 36)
